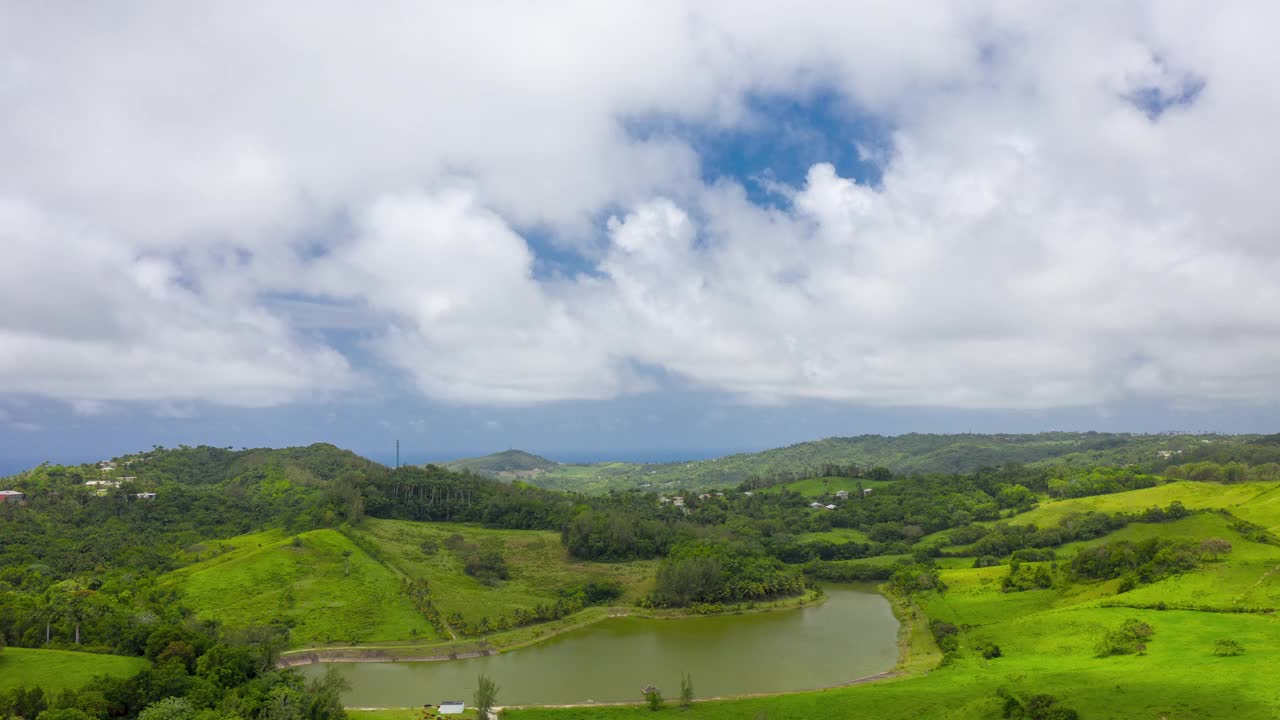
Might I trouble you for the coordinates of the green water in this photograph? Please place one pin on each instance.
(853, 634)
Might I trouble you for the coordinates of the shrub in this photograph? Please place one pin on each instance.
(989, 650)
(1228, 648)
(986, 561)
(1131, 637)
(653, 697)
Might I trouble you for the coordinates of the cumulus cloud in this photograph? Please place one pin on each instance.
(1074, 205)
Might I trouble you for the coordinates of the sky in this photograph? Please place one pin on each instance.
(632, 229)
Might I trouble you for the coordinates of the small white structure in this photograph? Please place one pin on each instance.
(102, 485)
(842, 494)
(815, 505)
(11, 496)
(663, 500)
(128, 478)
(452, 707)
(678, 502)
(145, 495)
(831, 507)
(866, 492)
(748, 493)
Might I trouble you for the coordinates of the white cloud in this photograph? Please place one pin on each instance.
(169, 173)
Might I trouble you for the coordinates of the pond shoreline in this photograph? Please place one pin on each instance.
(516, 639)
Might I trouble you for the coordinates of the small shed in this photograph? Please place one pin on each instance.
(842, 494)
(815, 505)
(831, 507)
(452, 707)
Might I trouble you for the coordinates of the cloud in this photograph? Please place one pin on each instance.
(1073, 207)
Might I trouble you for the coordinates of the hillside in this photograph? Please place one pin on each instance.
(317, 583)
(508, 464)
(919, 453)
(990, 650)
(60, 669)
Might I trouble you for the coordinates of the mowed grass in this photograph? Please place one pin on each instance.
(539, 566)
(56, 670)
(1255, 502)
(267, 576)
(1049, 637)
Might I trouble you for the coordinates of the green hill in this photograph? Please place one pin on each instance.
(307, 582)
(507, 464)
(60, 669)
(918, 453)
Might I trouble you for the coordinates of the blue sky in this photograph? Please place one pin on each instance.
(654, 231)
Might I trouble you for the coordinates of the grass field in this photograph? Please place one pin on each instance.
(266, 575)
(56, 670)
(1048, 638)
(539, 565)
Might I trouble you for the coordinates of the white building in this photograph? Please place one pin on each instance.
(11, 496)
(452, 707)
(145, 495)
(842, 494)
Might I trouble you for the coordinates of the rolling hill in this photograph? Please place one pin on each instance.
(903, 454)
(506, 465)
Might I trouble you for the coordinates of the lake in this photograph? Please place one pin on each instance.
(852, 634)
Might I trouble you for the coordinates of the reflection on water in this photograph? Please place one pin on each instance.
(853, 634)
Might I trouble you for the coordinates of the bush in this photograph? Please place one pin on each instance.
(1035, 707)
(986, 561)
(1228, 648)
(1131, 637)
(989, 650)
(653, 697)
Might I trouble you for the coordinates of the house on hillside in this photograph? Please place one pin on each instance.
(452, 707)
(128, 478)
(145, 495)
(842, 494)
(815, 505)
(102, 485)
(12, 496)
(678, 502)
(831, 507)
(866, 492)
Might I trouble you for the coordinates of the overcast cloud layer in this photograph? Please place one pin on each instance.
(1076, 203)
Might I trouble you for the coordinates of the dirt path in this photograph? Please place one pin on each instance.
(848, 683)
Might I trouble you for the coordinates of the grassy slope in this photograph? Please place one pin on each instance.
(904, 454)
(59, 669)
(1048, 636)
(254, 580)
(537, 560)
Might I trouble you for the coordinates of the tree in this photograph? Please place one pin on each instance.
(346, 562)
(171, 708)
(686, 690)
(486, 695)
(1214, 547)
